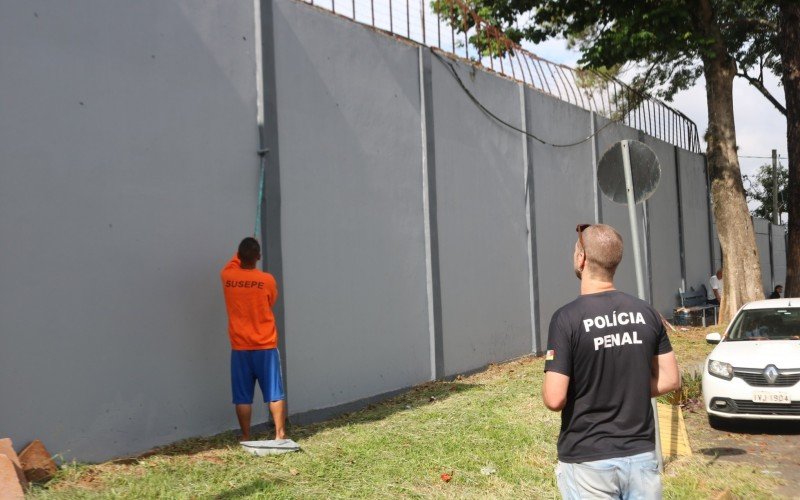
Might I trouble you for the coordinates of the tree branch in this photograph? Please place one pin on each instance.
(756, 83)
(754, 24)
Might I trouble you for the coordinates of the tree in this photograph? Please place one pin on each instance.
(673, 42)
(788, 40)
(776, 29)
(759, 189)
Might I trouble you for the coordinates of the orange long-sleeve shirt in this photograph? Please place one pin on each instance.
(249, 296)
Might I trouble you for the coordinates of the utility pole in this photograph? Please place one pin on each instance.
(776, 215)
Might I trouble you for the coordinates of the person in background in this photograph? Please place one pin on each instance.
(715, 288)
(249, 296)
(607, 354)
(776, 293)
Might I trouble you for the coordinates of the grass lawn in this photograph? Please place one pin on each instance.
(489, 431)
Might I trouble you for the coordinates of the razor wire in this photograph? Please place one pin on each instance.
(602, 94)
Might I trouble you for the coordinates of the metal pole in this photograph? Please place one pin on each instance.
(426, 212)
(595, 193)
(776, 216)
(535, 347)
(637, 257)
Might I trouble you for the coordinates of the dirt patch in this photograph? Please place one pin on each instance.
(771, 447)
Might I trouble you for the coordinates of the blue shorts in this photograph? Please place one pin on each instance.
(248, 366)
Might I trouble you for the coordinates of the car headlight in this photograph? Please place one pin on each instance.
(720, 369)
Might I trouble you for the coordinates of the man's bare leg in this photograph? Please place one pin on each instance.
(278, 410)
(243, 413)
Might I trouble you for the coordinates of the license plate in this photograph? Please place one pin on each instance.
(771, 397)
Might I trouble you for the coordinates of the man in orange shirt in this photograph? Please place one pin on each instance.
(249, 296)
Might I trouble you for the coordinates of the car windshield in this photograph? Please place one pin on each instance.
(766, 324)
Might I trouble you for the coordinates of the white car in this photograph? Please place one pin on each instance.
(754, 371)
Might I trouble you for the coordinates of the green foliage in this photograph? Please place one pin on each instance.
(667, 42)
(759, 189)
(691, 389)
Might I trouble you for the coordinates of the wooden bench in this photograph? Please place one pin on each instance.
(694, 310)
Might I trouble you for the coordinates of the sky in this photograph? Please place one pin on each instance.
(760, 128)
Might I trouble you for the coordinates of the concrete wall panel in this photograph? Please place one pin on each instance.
(716, 248)
(480, 204)
(694, 200)
(779, 254)
(563, 197)
(355, 305)
(120, 200)
(762, 228)
(663, 235)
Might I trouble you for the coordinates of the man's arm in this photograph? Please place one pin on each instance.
(234, 263)
(664, 374)
(554, 390)
(716, 294)
(273, 291)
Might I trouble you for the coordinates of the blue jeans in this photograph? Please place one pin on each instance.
(626, 478)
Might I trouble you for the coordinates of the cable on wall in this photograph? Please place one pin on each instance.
(483, 108)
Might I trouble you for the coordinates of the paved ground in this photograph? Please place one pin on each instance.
(773, 447)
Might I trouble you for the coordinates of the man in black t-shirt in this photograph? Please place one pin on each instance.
(607, 354)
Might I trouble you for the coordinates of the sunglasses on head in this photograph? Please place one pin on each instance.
(580, 228)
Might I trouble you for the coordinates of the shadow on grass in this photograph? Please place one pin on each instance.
(415, 397)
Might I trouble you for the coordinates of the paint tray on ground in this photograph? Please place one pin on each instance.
(270, 447)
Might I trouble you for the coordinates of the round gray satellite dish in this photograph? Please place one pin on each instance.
(645, 172)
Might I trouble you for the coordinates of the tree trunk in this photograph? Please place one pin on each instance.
(788, 43)
(741, 268)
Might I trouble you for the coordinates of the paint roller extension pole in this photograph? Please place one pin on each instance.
(637, 258)
(263, 154)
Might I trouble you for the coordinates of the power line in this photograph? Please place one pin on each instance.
(761, 157)
(509, 125)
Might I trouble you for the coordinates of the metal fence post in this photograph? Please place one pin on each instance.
(533, 285)
(430, 228)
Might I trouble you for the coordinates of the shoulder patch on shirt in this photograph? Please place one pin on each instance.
(550, 356)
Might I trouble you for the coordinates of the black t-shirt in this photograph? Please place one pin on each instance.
(605, 343)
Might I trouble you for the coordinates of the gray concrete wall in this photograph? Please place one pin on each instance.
(563, 197)
(128, 139)
(778, 255)
(480, 205)
(694, 221)
(355, 307)
(663, 241)
(716, 248)
(762, 228)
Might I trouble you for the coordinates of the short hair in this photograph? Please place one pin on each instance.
(249, 250)
(778, 286)
(603, 250)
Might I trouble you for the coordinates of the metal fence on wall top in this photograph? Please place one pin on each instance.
(607, 96)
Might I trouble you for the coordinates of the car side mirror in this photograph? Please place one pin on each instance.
(713, 338)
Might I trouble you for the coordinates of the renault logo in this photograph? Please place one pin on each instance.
(771, 374)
